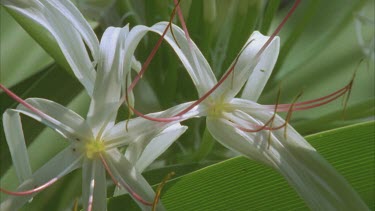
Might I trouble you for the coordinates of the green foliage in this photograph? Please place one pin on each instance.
(241, 184)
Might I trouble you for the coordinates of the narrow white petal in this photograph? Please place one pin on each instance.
(314, 179)
(17, 145)
(262, 71)
(199, 70)
(94, 185)
(247, 64)
(154, 148)
(106, 96)
(129, 131)
(79, 23)
(60, 118)
(70, 31)
(239, 142)
(63, 163)
(129, 176)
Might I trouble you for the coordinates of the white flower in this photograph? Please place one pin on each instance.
(254, 130)
(94, 141)
(72, 33)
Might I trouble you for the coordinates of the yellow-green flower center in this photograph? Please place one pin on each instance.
(217, 109)
(94, 148)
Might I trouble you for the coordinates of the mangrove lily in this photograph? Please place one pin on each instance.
(255, 130)
(94, 141)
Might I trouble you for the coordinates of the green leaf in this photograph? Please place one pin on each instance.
(18, 63)
(241, 184)
(43, 38)
(270, 11)
(322, 60)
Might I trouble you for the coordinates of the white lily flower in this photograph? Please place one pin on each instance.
(94, 141)
(253, 130)
(72, 32)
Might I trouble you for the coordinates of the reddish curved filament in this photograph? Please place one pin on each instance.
(225, 76)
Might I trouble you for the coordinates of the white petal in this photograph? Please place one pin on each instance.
(59, 118)
(154, 148)
(94, 185)
(106, 97)
(17, 145)
(127, 132)
(79, 23)
(127, 174)
(70, 31)
(229, 136)
(314, 179)
(247, 66)
(63, 163)
(261, 73)
(199, 69)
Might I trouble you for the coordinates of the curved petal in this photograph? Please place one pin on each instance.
(154, 148)
(69, 29)
(130, 177)
(314, 179)
(79, 23)
(199, 69)
(17, 145)
(59, 118)
(262, 71)
(248, 67)
(129, 131)
(94, 185)
(107, 91)
(63, 163)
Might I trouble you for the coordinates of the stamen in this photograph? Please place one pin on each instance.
(23, 102)
(170, 21)
(314, 103)
(160, 187)
(152, 54)
(289, 114)
(271, 120)
(31, 191)
(346, 98)
(273, 117)
(155, 119)
(45, 185)
(225, 76)
(105, 164)
(32, 108)
(291, 11)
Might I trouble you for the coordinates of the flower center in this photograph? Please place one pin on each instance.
(217, 109)
(94, 148)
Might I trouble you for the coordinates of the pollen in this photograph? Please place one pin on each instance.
(94, 148)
